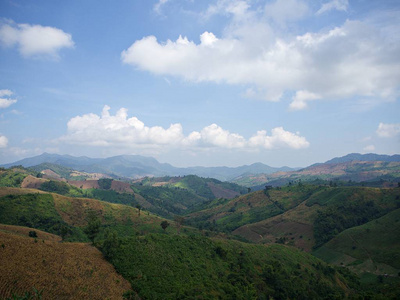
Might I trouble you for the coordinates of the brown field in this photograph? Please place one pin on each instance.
(60, 270)
(32, 182)
(220, 192)
(118, 186)
(296, 225)
(84, 184)
(49, 174)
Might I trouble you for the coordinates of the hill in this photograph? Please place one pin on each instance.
(56, 270)
(202, 268)
(354, 247)
(364, 157)
(304, 216)
(56, 214)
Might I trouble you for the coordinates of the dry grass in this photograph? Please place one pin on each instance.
(32, 182)
(61, 270)
(4, 191)
(24, 231)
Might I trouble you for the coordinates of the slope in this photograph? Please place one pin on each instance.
(57, 270)
(372, 247)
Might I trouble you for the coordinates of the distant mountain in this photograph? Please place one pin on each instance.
(353, 167)
(363, 157)
(136, 166)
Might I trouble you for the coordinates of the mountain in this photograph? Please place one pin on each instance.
(372, 169)
(364, 157)
(136, 166)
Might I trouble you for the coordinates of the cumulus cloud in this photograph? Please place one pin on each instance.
(279, 138)
(388, 130)
(340, 5)
(35, 40)
(356, 59)
(6, 102)
(3, 141)
(119, 130)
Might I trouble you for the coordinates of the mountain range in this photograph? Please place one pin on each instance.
(136, 166)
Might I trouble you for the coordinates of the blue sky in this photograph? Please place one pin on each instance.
(286, 82)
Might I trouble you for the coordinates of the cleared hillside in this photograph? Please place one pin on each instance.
(58, 270)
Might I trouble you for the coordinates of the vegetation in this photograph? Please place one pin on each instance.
(12, 177)
(36, 211)
(198, 267)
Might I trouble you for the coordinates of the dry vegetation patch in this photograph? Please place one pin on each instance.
(61, 270)
(4, 191)
(32, 182)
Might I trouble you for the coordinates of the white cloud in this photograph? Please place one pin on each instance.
(35, 40)
(3, 141)
(121, 131)
(353, 60)
(340, 5)
(388, 130)
(6, 102)
(279, 138)
(216, 136)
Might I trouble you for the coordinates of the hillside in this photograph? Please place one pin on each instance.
(203, 268)
(304, 216)
(353, 247)
(54, 213)
(56, 270)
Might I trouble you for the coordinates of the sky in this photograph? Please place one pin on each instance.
(200, 83)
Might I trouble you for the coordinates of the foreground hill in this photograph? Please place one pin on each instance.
(56, 270)
(176, 267)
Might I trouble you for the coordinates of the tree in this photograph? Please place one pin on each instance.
(139, 207)
(164, 225)
(93, 226)
(179, 222)
(64, 231)
(111, 244)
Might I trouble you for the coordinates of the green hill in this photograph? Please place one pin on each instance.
(57, 214)
(176, 267)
